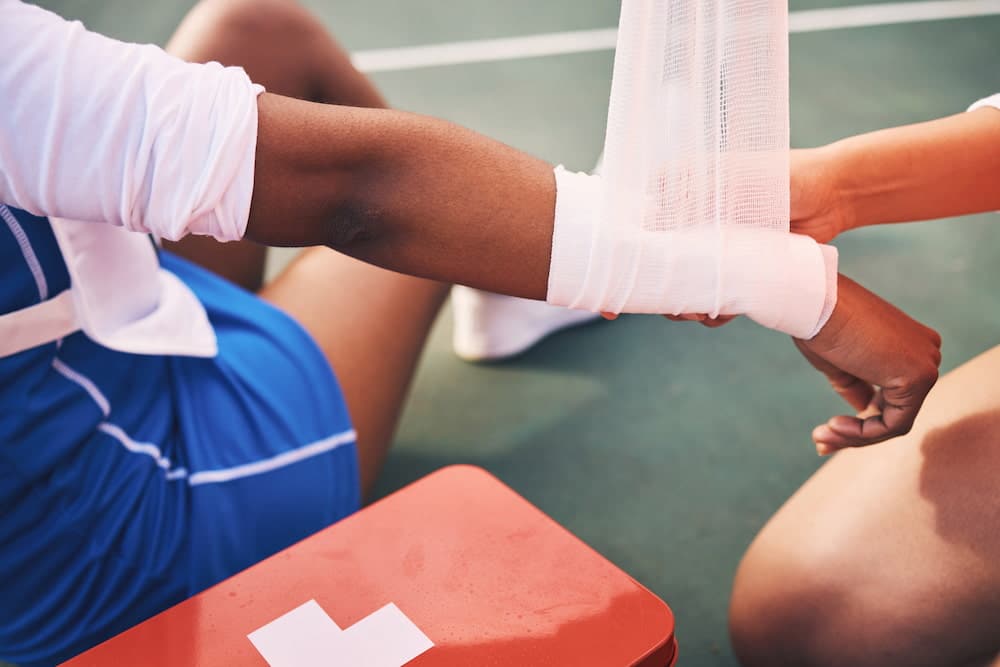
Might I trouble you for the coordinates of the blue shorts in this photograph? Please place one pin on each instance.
(129, 482)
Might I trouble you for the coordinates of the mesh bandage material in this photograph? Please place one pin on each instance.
(690, 214)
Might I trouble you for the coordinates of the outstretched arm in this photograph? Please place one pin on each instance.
(124, 134)
(941, 168)
(422, 196)
(103, 131)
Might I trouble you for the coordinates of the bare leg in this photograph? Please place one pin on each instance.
(370, 323)
(888, 555)
(286, 50)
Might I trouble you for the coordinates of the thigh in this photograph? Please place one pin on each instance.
(280, 44)
(129, 482)
(269, 452)
(371, 324)
(891, 554)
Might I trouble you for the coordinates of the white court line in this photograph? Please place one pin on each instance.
(888, 14)
(485, 50)
(582, 41)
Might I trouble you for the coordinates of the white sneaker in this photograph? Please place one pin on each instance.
(490, 327)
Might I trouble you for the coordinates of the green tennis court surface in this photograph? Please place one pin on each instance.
(665, 446)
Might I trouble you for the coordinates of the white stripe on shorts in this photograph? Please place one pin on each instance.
(273, 463)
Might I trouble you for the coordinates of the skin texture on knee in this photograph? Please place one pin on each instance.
(889, 555)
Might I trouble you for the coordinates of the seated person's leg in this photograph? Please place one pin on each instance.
(158, 476)
(888, 555)
(370, 323)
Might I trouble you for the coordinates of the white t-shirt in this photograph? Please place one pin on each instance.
(93, 130)
(99, 130)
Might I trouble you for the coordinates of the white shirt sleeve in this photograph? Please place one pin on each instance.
(99, 130)
(991, 101)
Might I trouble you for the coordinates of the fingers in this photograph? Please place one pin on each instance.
(855, 391)
(892, 412)
(705, 320)
(719, 321)
(843, 432)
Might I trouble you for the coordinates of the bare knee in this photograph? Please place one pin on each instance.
(234, 31)
(810, 607)
(257, 16)
(814, 605)
(280, 44)
(818, 604)
(776, 611)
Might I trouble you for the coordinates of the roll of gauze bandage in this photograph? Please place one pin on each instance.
(782, 281)
(691, 212)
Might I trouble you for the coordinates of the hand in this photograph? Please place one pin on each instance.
(814, 212)
(882, 362)
(816, 209)
(705, 320)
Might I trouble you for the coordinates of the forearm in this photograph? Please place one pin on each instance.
(406, 192)
(427, 198)
(941, 168)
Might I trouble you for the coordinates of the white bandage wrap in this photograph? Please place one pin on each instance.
(782, 281)
(691, 212)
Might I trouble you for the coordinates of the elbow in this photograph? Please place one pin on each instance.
(362, 209)
(351, 225)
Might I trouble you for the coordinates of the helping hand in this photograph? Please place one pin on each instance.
(816, 208)
(815, 212)
(703, 319)
(882, 362)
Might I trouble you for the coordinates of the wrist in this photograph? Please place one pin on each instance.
(781, 281)
(842, 194)
(830, 257)
(577, 212)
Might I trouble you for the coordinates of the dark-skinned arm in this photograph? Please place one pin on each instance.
(409, 193)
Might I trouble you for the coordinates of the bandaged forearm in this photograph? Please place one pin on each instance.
(98, 130)
(691, 212)
(780, 280)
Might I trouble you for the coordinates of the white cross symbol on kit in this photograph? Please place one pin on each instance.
(307, 637)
